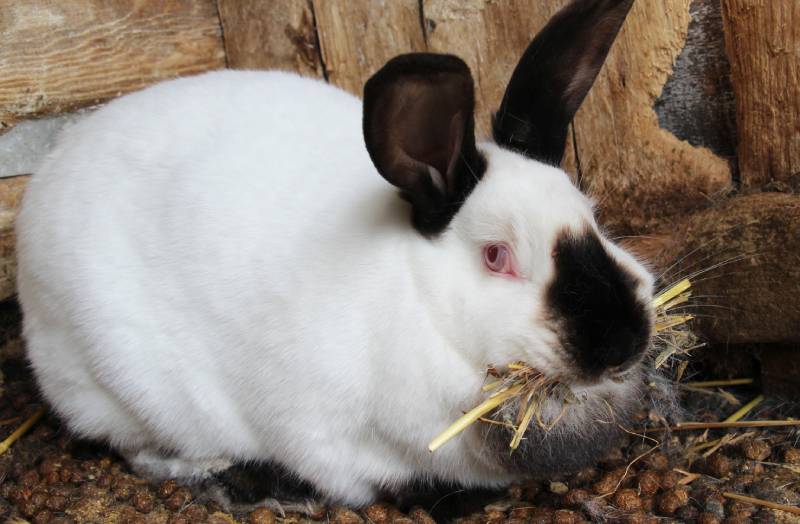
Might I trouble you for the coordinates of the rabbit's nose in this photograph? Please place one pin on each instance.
(603, 324)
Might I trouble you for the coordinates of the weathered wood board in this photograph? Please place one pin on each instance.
(358, 36)
(763, 41)
(279, 34)
(56, 56)
(11, 190)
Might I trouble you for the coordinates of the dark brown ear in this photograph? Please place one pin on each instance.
(554, 75)
(419, 132)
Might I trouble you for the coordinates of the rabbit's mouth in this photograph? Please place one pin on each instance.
(576, 426)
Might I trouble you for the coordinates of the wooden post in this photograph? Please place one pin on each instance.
(278, 34)
(358, 36)
(763, 45)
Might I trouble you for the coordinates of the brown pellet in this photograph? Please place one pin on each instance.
(608, 482)
(791, 456)
(42, 517)
(740, 507)
(62, 520)
(196, 512)
(669, 479)
(166, 488)
(638, 517)
(345, 516)
(667, 503)
(143, 501)
(262, 516)
(543, 516)
(38, 498)
(27, 508)
(687, 513)
(575, 497)
(420, 516)
(657, 461)
(566, 516)
(51, 477)
(49, 465)
(708, 518)
(220, 518)
(56, 502)
(627, 499)
(718, 465)
(178, 499)
(648, 483)
(522, 512)
(756, 449)
(29, 479)
(377, 513)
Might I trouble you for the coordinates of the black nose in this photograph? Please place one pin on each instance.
(602, 324)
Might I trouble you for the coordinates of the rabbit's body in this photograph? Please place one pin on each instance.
(212, 274)
(228, 307)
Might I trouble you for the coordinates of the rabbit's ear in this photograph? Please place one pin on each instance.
(554, 75)
(419, 132)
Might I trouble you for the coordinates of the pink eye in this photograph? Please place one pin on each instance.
(498, 259)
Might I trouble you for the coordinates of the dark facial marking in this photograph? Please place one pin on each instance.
(602, 323)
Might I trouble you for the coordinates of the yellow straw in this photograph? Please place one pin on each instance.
(744, 410)
(21, 430)
(472, 415)
(671, 293)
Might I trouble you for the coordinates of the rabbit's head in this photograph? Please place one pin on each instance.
(529, 274)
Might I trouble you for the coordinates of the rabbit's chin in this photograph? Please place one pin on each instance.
(590, 426)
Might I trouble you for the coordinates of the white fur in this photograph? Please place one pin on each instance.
(213, 266)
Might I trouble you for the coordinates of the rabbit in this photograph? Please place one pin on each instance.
(254, 268)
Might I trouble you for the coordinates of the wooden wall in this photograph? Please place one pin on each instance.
(658, 172)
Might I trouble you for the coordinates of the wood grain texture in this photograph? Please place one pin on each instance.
(763, 42)
(490, 36)
(278, 34)
(11, 190)
(61, 55)
(747, 251)
(643, 177)
(357, 37)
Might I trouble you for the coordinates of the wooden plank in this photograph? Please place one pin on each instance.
(744, 255)
(11, 190)
(357, 37)
(490, 36)
(61, 55)
(643, 177)
(278, 34)
(763, 42)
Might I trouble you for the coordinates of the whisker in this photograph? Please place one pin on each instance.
(693, 276)
(695, 250)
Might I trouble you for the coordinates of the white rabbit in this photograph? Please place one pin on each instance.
(214, 271)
